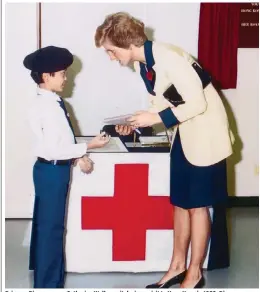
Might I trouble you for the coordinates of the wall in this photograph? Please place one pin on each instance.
(101, 88)
(242, 105)
(20, 39)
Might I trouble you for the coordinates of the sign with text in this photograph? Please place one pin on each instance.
(249, 25)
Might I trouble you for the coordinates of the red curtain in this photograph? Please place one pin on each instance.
(218, 42)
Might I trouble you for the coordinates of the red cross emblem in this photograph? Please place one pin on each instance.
(129, 213)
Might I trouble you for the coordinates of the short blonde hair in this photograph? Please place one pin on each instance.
(122, 30)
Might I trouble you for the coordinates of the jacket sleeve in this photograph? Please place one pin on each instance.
(181, 74)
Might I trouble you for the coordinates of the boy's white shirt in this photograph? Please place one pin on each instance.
(52, 138)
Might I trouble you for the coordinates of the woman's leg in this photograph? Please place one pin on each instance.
(200, 231)
(181, 243)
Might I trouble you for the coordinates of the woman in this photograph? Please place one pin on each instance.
(184, 100)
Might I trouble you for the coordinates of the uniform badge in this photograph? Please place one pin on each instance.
(149, 75)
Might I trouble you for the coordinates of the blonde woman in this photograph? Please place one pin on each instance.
(183, 99)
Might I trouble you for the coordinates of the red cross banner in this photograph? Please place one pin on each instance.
(120, 217)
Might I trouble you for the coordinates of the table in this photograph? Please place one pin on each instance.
(116, 226)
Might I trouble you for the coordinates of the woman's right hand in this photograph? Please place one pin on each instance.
(99, 141)
(124, 129)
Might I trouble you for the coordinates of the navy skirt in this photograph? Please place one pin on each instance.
(196, 186)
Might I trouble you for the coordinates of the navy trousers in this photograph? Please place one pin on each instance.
(47, 240)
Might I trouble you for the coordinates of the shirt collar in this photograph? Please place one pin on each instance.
(148, 52)
(47, 93)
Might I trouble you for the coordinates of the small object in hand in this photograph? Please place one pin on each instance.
(134, 139)
(137, 131)
(105, 135)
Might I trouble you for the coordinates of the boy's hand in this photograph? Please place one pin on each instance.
(99, 141)
(86, 164)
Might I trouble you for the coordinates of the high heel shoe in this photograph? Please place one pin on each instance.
(174, 280)
(201, 283)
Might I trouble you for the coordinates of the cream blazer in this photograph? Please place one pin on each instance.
(204, 129)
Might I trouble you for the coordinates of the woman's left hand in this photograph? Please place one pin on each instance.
(144, 119)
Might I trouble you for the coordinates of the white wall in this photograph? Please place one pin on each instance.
(175, 23)
(20, 39)
(1, 161)
(104, 89)
(242, 105)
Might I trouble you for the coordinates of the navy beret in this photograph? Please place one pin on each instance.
(49, 59)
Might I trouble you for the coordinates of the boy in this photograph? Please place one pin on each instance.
(56, 150)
